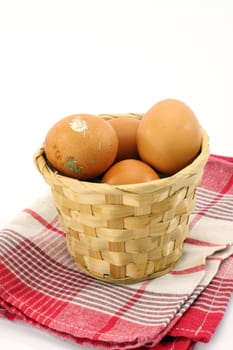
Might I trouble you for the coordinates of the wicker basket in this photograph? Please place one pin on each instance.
(126, 233)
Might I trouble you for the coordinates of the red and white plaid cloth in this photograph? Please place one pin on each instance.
(40, 284)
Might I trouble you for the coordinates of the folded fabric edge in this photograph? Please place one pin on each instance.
(201, 320)
(11, 313)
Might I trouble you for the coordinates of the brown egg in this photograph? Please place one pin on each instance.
(129, 171)
(169, 136)
(126, 130)
(81, 146)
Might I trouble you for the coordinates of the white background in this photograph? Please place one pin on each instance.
(64, 56)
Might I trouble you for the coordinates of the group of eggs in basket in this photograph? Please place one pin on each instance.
(125, 149)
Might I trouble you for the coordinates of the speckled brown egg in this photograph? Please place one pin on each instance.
(82, 146)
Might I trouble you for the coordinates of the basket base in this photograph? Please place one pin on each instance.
(125, 280)
(122, 274)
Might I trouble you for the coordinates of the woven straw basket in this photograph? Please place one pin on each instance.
(126, 233)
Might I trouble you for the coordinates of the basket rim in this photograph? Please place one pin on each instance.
(198, 162)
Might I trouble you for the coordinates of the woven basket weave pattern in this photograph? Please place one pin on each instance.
(126, 233)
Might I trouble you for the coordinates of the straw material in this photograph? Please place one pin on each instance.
(126, 233)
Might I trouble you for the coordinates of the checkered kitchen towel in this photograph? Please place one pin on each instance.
(40, 283)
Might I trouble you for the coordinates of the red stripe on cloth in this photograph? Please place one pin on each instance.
(223, 209)
(216, 258)
(42, 221)
(202, 243)
(122, 310)
(197, 325)
(226, 158)
(88, 323)
(219, 195)
(188, 270)
(40, 271)
(217, 172)
(34, 304)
